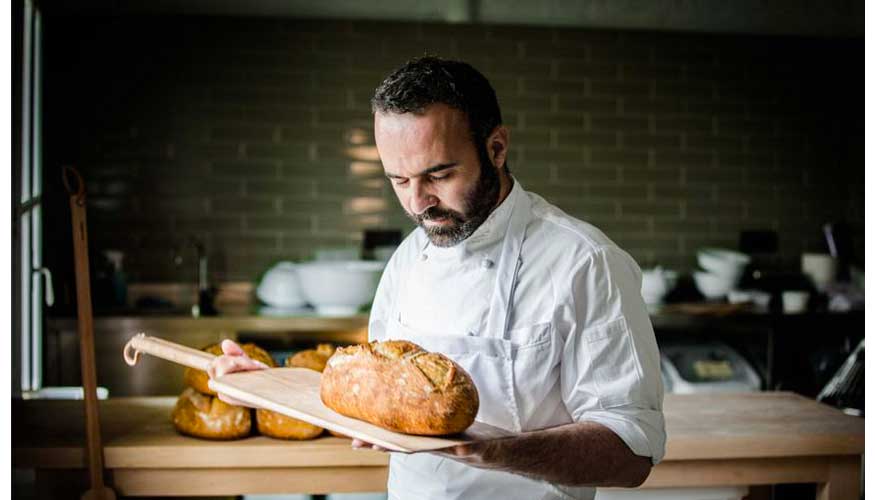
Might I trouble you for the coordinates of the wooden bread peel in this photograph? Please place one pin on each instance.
(294, 392)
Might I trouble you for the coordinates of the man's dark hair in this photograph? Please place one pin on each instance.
(429, 80)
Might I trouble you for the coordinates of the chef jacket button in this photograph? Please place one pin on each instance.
(486, 264)
(423, 256)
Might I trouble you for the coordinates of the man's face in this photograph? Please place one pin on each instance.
(435, 170)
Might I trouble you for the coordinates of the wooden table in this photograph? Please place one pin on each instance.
(714, 440)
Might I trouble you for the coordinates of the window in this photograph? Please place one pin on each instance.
(32, 280)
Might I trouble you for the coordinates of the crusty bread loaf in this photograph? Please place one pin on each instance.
(314, 359)
(399, 386)
(198, 379)
(204, 416)
(277, 425)
(280, 426)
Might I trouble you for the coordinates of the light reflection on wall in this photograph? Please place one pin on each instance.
(365, 205)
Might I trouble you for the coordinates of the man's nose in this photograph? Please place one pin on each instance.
(421, 199)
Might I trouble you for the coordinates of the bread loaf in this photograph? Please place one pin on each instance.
(277, 425)
(198, 379)
(399, 386)
(314, 359)
(204, 416)
(281, 426)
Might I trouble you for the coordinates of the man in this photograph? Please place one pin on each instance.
(543, 310)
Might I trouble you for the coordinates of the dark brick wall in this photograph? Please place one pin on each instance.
(255, 134)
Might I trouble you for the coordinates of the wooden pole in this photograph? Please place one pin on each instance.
(86, 337)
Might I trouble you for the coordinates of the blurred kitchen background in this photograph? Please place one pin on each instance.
(218, 139)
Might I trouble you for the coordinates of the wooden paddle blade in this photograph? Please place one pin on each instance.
(294, 392)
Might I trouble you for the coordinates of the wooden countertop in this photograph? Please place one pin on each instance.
(137, 434)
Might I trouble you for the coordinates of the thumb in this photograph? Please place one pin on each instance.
(231, 348)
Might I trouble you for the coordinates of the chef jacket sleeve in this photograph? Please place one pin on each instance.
(610, 371)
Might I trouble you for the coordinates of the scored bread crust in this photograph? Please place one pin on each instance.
(399, 386)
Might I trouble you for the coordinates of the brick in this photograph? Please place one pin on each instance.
(566, 102)
(612, 191)
(298, 222)
(695, 192)
(304, 188)
(707, 174)
(553, 155)
(194, 187)
(651, 140)
(245, 168)
(238, 134)
(588, 173)
(708, 141)
(243, 204)
(557, 119)
(620, 89)
(528, 138)
(207, 223)
(619, 53)
(618, 157)
(649, 208)
(509, 66)
(699, 124)
(284, 152)
(600, 140)
(525, 102)
(651, 175)
(681, 158)
(604, 123)
(543, 86)
(676, 225)
(577, 69)
(538, 50)
(652, 71)
(646, 105)
(681, 90)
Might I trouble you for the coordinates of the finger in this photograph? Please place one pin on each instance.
(231, 348)
(230, 364)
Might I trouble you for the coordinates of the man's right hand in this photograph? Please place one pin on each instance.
(233, 360)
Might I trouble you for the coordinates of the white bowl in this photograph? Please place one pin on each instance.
(280, 288)
(723, 262)
(656, 283)
(339, 288)
(713, 286)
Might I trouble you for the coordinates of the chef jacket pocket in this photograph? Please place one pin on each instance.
(613, 363)
(531, 337)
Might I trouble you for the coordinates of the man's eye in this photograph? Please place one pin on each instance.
(438, 177)
(399, 182)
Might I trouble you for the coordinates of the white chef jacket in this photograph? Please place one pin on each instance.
(578, 344)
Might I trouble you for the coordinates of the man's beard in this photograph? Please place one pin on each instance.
(477, 205)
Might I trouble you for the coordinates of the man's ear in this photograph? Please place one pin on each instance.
(497, 144)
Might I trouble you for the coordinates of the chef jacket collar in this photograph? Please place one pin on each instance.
(486, 239)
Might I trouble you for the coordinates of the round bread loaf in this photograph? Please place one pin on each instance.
(209, 417)
(314, 359)
(198, 379)
(399, 386)
(276, 425)
(281, 426)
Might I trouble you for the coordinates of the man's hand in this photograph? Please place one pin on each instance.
(233, 360)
